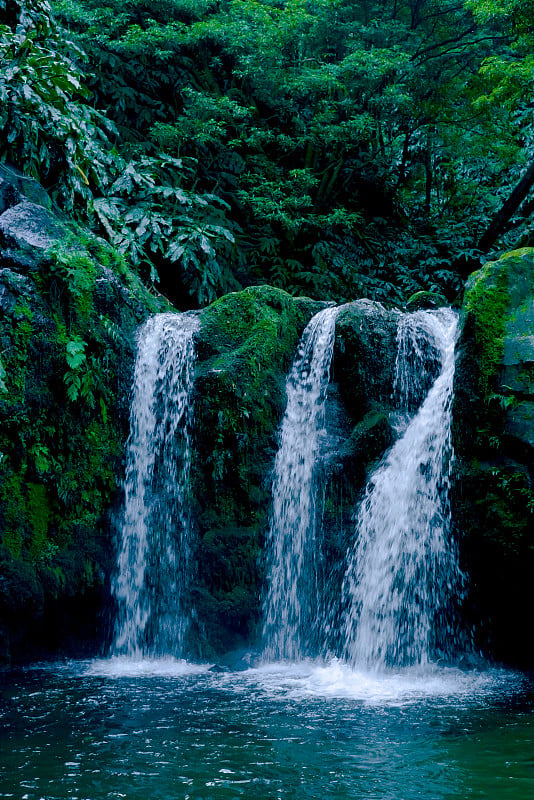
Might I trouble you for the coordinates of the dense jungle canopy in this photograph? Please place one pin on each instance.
(333, 148)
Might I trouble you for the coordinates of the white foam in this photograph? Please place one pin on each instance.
(304, 680)
(336, 679)
(124, 667)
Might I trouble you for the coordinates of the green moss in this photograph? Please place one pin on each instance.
(66, 341)
(518, 254)
(227, 597)
(232, 320)
(109, 258)
(492, 497)
(77, 271)
(498, 509)
(245, 347)
(247, 341)
(487, 300)
(425, 299)
(16, 356)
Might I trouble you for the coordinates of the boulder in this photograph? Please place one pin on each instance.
(245, 347)
(499, 302)
(364, 355)
(493, 486)
(30, 225)
(63, 428)
(425, 300)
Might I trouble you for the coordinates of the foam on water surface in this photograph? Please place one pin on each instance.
(337, 680)
(123, 667)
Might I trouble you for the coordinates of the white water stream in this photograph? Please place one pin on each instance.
(403, 575)
(153, 565)
(290, 607)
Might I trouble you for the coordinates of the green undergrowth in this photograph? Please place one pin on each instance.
(66, 343)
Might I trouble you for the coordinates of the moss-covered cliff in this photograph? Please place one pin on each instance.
(245, 347)
(69, 308)
(493, 497)
(69, 311)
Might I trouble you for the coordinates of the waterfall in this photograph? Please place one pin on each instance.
(403, 572)
(153, 563)
(290, 606)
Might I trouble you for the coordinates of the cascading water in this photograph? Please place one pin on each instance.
(403, 572)
(290, 606)
(153, 565)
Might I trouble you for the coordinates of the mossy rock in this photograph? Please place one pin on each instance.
(245, 347)
(493, 513)
(499, 300)
(228, 589)
(425, 300)
(364, 355)
(63, 425)
(493, 481)
(369, 440)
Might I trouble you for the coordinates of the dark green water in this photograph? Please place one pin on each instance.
(112, 729)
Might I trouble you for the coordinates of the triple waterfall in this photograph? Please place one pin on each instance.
(401, 573)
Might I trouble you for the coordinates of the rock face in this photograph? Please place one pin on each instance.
(30, 225)
(69, 312)
(493, 498)
(69, 309)
(245, 348)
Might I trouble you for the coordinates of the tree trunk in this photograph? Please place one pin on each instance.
(506, 211)
(465, 265)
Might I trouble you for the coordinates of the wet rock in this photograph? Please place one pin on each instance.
(30, 225)
(23, 186)
(9, 195)
(425, 300)
(493, 480)
(364, 355)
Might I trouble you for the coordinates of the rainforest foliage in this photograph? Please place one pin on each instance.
(329, 147)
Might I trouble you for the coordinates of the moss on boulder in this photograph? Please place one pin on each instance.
(245, 347)
(493, 495)
(69, 309)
